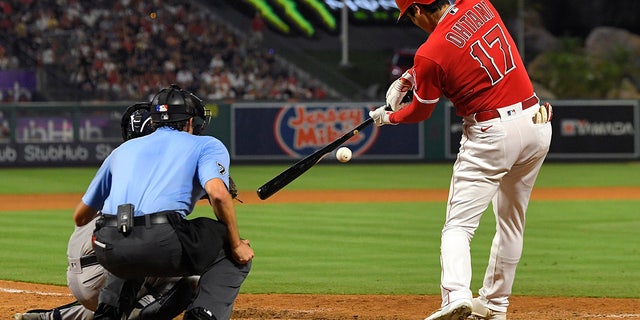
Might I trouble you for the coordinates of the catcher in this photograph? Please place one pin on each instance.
(159, 298)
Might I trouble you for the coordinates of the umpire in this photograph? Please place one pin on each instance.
(146, 188)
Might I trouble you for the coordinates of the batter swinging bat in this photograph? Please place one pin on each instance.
(280, 181)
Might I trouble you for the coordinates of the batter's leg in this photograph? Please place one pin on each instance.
(510, 206)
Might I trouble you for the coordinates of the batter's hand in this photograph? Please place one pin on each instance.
(381, 116)
(544, 114)
(243, 253)
(397, 90)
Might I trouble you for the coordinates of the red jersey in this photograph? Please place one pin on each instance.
(471, 59)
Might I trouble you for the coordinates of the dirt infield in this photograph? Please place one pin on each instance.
(19, 296)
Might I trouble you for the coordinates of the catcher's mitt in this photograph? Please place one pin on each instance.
(233, 189)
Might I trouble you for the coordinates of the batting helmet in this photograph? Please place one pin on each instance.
(403, 5)
(136, 121)
(174, 104)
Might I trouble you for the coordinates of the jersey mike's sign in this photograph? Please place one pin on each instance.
(300, 131)
(272, 131)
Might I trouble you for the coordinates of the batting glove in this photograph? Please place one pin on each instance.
(398, 89)
(381, 116)
(544, 114)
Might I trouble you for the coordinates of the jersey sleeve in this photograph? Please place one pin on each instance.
(426, 93)
(213, 162)
(99, 187)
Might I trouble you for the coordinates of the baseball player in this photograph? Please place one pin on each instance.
(146, 188)
(470, 58)
(159, 298)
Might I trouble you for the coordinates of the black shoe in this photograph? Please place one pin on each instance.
(199, 313)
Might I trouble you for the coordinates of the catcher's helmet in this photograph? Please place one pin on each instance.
(136, 121)
(403, 5)
(174, 104)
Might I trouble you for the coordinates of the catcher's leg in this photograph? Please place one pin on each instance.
(166, 303)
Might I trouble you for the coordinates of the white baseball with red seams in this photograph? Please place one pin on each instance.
(344, 154)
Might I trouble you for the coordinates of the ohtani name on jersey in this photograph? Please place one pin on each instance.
(469, 23)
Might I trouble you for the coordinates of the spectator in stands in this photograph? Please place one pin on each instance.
(119, 51)
(7, 62)
(257, 27)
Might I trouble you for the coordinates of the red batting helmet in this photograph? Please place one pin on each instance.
(403, 5)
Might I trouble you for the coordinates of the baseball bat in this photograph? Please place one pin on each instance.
(287, 176)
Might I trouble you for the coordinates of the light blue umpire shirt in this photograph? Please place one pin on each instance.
(165, 170)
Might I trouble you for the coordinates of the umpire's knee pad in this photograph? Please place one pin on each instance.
(199, 313)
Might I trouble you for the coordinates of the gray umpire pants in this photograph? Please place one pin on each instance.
(157, 251)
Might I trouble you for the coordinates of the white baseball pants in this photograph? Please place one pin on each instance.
(498, 161)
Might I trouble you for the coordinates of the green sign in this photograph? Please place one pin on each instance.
(302, 17)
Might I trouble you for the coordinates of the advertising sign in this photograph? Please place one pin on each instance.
(45, 136)
(286, 131)
(56, 126)
(54, 154)
(582, 129)
(606, 129)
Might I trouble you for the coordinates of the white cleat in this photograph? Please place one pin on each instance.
(456, 310)
(480, 312)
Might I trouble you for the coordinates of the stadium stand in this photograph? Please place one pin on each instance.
(127, 49)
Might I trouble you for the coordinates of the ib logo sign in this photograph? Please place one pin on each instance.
(301, 130)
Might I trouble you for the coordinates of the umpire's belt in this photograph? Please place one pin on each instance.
(111, 220)
(492, 114)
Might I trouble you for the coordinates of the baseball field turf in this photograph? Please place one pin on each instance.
(582, 246)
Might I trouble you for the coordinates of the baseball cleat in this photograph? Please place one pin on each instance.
(480, 312)
(457, 310)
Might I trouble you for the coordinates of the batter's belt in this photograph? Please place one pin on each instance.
(492, 114)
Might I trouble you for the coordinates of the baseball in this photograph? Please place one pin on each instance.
(343, 154)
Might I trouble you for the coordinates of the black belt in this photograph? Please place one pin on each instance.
(88, 260)
(492, 114)
(111, 220)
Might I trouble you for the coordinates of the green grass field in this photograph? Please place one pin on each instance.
(572, 248)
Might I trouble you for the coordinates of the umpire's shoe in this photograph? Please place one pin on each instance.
(199, 313)
(456, 310)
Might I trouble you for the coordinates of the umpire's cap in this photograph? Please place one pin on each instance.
(403, 5)
(174, 104)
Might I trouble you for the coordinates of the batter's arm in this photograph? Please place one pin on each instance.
(83, 214)
(222, 204)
